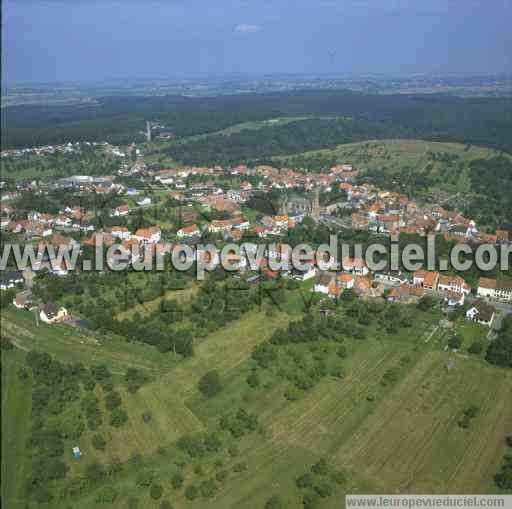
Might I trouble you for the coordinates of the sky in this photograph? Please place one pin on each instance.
(97, 40)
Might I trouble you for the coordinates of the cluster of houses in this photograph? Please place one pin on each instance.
(197, 188)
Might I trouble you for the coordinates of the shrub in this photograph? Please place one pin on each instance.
(177, 480)
(118, 417)
(98, 442)
(274, 502)
(221, 475)
(240, 467)
(320, 468)
(304, 481)
(324, 489)
(209, 384)
(476, 348)
(191, 492)
(156, 491)
(106, 495)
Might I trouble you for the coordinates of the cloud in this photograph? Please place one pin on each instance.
(244, 28)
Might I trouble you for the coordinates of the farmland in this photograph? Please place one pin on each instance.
(401, 435)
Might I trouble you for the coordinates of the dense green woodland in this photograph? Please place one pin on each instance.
(120, 119)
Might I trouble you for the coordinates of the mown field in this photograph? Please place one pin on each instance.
(399, 436)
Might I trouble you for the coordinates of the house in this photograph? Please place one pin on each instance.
(51, 313)
(322, 282)
(121, 232)
(426, 279)
(390, 276)
(11, 279)
(22, 300)
(188, 231)
(453, 284)
(481, 312)
(220, 225)
(150, 235)
(304, 275)
(346, 281)
(144, 202)
(120, 211)
(357, 266)
(496, 289)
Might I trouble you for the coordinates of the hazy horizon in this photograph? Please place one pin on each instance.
(90, 40)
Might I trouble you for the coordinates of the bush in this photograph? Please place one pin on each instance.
(98, 442)
(274, 502)
(253, 380)
(209, 384)
(304, 481)
(133, 503)
(221, 475)
(324, 489)
(191, 492)
(156, 491)
(165, 504)
(208, 489)
(320, 468)
(145, 478)
(508, 440)
(177, 480)
(342, 352)
(240, 467)
(112, 400)
(454, 342)
(310, 500)
(476, 348)
(118, 417)
(338, 477)
(106, 495)
(471, 411)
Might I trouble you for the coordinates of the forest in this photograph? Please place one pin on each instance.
(482, 121)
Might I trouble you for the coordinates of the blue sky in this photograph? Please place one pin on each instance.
(93, 40)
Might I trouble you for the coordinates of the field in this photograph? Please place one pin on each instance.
(395, 437)
(394, 155)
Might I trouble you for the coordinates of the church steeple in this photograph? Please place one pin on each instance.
(315, 206)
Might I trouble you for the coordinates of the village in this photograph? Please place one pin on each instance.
(191, 204)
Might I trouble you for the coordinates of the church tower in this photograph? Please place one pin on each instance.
(315, 205)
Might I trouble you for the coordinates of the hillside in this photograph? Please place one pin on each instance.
(386, 418)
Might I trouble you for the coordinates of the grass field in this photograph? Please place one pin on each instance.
(16, 399)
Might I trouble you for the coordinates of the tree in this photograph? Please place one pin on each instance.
(208, 488)
(191, 492)
(112, 400)
(253, 380)
(156, 491)
(177, 480)
(455, 342)
(304, 481)
(210, 384)
(118, 417)
(98, 442)
(274, 502)
(324, 489)
(95, 472)
(165, 504)
(320, 467)
(106, 495)
(476, 348)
